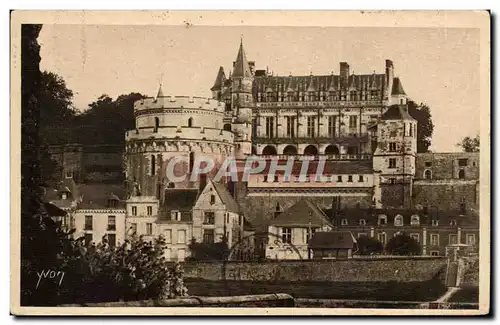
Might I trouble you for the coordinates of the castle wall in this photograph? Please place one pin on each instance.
(446, 195)
(447, 165)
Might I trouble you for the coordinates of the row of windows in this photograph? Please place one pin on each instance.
(89, 239)
(291, 125)
(89, 223)
(313, 96)
(433, 238)
(398, 221)
(190, 123)
(149, 210)
(428, 174)
(340, 178)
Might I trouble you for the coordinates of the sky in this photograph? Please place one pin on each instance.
(437, 66)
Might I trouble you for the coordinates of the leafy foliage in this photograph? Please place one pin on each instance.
(209, 251)
(369, 246)
(403, 244)
(425, 127)
(469, 144)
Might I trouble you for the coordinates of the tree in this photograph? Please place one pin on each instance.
(369, 246)
(469, 144)
(209, 251)
(403, 244)
(107, 120)
(425, 127)
(56, 109)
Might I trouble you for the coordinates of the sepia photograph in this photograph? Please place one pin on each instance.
(251, 163)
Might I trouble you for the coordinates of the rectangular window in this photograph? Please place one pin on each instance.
(181, 236)
(360, 179)
(310, 233)
(339, 178)
(149, 228)
(392, 162)
(209, 218)
(181, 254)
(353, 122)
(133, 228)
(208, 236)
(112, 240)
(349, 178)
(270, 127)
(150, 210)
(382, 238)
(168, 236)
(88, 223)
(311, 125)
(392, 146)
(453, 239)
(290, 126)
(415, 236)
(88, 239)
(134, 210)
(286, 235)
(428, 164)
(434, 253)
(212, 199)
(254, 127)
(463, 162)
(111, 223)
(471, 239)
(332, 122)
(434, 239)
(175, 215)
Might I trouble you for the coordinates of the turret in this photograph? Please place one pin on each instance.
(242, 99)
(394, 157)
(218, 86)
(398, 95)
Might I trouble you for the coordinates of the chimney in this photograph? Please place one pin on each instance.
(344, 73)
(389, 76)
(203, 182)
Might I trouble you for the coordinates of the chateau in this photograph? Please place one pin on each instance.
(358, 124)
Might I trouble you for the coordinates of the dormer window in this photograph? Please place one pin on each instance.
(415, 220)
(382, 219)
(344, 222)
(175, 215)
(453, 223)
(398, 220)
(64, 196)
(435, 222)
(69, 174)
(362, 222)
(112, 203)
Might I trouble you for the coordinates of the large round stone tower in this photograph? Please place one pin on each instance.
(171, 134)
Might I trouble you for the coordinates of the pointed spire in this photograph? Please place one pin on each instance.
(312, 85)
(219, 80)
(397, 87)
(331, 87)
(160, 92)
(241, 66)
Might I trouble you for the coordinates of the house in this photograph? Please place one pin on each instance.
(332, 244)
(216, 216)
(290, 231)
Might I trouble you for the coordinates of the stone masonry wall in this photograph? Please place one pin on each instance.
(383, 270)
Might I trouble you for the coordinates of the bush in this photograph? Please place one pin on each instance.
(403, 244)
(369, 246)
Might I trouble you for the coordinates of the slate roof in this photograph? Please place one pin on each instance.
(332, 239)
(445, 218)
(179, 199)
(397, 112)
(226, 198)
(300, 214)
(241, 66)
(219, 80)
(97, 196)
(319, 82)
(53, 211)
(397, 87)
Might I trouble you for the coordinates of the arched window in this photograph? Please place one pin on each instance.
(461, 174)
(427, 174)
(190, 122)
(269, 150)
(332, 150)
(153, 165)
(398, 220)
(227, 127)
(157, 124)
(415, 220)
(290, 150)
(311, 150)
